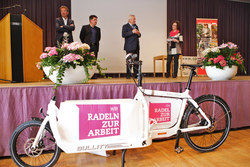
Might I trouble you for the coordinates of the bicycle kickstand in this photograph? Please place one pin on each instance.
(123, 157)
(178, 149)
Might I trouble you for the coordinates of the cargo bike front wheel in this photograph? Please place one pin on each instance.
(46, 154)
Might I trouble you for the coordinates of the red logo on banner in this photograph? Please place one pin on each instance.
(99, 120)
(201, 71)
(160, 112)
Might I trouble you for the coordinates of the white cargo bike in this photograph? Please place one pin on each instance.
(121, 124)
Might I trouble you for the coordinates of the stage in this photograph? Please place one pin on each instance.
(21, 101)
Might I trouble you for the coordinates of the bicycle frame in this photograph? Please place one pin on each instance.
(148, 133)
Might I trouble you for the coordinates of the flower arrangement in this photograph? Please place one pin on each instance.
(69, 55)
(224, 55)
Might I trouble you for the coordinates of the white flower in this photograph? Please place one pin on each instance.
(232, 45)
(205, 52)
(85, 46)
(215, 49)
(65, 46)
(222, 46)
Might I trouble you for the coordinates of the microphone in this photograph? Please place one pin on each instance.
(131, 56)
(24, 11)
(9, 7)
(16, 5)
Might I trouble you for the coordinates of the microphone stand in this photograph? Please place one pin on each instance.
(9, 7)
(7, 80)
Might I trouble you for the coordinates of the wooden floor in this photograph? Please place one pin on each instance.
(235, 152)
(118, 80)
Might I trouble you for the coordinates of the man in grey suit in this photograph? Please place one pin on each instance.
(131, 33)
(64, 27)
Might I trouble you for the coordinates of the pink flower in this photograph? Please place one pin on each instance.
(216, 60)
(72, 58)
(223, 63)
(92, 54)
(239, 61)
(232, 45)
(203, 58)
(232, 58)
(209, 60)
(47, 49)
(239, 56)
(52, 52)
(43, 56)
(38, 65)
(220, 57)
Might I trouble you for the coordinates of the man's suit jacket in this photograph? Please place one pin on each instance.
(66, 28)
(86, 35)
(131, 39)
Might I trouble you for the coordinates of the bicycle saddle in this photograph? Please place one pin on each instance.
(192, 65)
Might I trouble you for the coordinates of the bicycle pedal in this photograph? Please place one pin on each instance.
(178, 150)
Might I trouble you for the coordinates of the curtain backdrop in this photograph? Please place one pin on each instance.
(233, 22)
(41, 12)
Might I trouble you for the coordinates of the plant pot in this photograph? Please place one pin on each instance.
(221, 74)
(71, 76)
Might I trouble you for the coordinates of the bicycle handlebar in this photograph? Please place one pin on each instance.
(192, 73)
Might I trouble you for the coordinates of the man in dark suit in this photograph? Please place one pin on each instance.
(64, 27)
(91, 34)
(131, 33)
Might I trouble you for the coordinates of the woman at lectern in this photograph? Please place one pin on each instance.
(174, 40)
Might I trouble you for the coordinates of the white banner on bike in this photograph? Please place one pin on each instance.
(92, 124)
(99, 120)
(160, 112)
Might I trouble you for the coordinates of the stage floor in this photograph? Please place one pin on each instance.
(47, 82)
(234, 152)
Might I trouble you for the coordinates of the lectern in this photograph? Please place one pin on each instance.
(21, 44)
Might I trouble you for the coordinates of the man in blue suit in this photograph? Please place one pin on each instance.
(131, 33)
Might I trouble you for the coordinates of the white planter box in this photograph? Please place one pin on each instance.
(71, 76)
(221, 74)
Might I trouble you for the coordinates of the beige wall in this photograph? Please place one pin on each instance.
(151, 18)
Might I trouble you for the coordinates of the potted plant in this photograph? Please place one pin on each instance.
(222, 62)
(71, 63)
